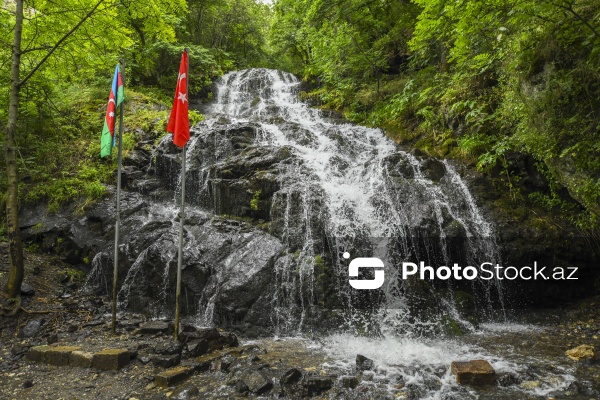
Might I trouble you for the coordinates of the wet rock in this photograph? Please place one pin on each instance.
(111, 359)
(363, 363)
(291, 376)
(31, 328)
(224, 363)
(197, 347)
(27, 289)
(145, 356)
(433, 169)
(257, 381)
(507, 379)
(168, 348)
(186, 391)
(314, 385)
(530, 385)
(241, 387)
(349, 382)
(153, 327)
(172, 376)
(475, 372)
(166, 361)
(585, 352)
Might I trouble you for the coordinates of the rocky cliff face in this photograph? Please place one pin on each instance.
(276, 194)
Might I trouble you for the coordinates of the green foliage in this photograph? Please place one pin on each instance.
(484, 81)
(254, 202)
(75, 275)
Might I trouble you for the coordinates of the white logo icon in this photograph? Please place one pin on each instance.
(365, 284)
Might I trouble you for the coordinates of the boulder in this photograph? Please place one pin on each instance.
(475, 372)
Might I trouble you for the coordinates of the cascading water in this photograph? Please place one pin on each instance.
(368, 203)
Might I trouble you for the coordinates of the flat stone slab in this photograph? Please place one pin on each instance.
(37, 353)
(111, 359)
(153, 327)
(475, 372)
(81, 359)
(59, 356)
(172, 376)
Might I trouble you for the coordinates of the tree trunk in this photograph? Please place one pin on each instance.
(15, 278)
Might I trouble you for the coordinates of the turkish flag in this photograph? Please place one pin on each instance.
(179, 122)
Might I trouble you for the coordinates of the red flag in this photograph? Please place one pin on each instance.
(179, 122)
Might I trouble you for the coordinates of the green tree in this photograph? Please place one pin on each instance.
(56, 44)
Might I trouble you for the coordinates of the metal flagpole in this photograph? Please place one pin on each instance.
(118, 216)
(181, 222)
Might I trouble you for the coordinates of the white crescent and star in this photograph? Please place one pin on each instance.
(181, 76)
(182, 97)
(111, 99)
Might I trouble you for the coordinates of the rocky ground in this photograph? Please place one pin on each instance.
(216, 364)
(220, 365)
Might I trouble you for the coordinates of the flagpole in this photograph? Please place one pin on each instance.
(118, 214)
(181, 222)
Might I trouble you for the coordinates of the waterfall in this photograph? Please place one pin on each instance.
(353, 170)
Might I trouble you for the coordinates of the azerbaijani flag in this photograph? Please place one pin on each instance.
(108, 140)
(179, 123)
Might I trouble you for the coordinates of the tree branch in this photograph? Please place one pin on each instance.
(57, 45)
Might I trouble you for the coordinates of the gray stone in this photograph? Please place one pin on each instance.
(363, 363)
(197, 347)
(349, 382)
(257, 381)
(291, 376)
(168, 348)
(186, 391)
(31, 328)
(27, 289)
(317, 384)
(166, 361)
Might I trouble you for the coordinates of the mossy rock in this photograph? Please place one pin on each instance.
(451, 327)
